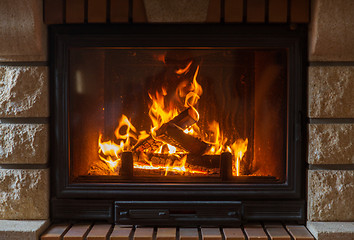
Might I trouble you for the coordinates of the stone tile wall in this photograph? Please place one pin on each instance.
(24, 112)
(331, 120)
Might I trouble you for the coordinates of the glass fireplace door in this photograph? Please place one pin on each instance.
(178, 114)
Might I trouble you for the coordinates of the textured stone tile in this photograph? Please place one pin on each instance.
(330, 195)
(163, 11)
(24, 194)
(331, 31)
(22, 230)
(22, 32)
(24, 143)
(331, 144)
(24, 91)
(331, 92)
(331, 230)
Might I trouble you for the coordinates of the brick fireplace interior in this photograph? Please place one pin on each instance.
(25, 155)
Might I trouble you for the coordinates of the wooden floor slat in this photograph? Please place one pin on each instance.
(166, 234)
(233, 234)
(211, 234)
(273, 225)
(143, 234)
(77, 232)
(255, 232)
(188, 234)
(99, 232)
(299, 232)
(275, 231)
(120, 233)
(278, 233)
(55, 232)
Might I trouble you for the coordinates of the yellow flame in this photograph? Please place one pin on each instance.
(167, 168)
(177, 167)
(109, 147)
(216, 139)
(124, 121)
(112, 164)
(195, 92)
(238, 150)
(161, 112)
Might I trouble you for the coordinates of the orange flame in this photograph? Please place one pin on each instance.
(238, 150)
(110, 149)
(195, 92)
(184, 70)
(130, 131)
(161, 112)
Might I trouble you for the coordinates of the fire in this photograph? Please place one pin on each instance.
(184, 70)
(238, 150)
(124, 122)
(166, 148)
(195, 92)
(108, 148)
(112, 151)
(177, 167)
(216, 138)
(159, 113)
(162, 110)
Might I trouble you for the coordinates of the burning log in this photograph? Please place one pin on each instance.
(193, 161)
(196, 172)
(186, 118)
(172, 133)
(100, 168)
(207, 161)
(158, 158)
(148, 143)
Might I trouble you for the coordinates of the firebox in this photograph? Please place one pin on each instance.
(178, 124)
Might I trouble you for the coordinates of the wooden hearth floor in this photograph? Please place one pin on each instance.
(114, 232)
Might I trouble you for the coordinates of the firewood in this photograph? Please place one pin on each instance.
(183, 120)
(206, 161)
(186, 118)
(173, 135)
(148, 143)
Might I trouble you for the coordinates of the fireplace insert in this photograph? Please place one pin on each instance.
(178, 124)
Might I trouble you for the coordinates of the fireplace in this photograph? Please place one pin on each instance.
(27, 168)
(168, 121)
